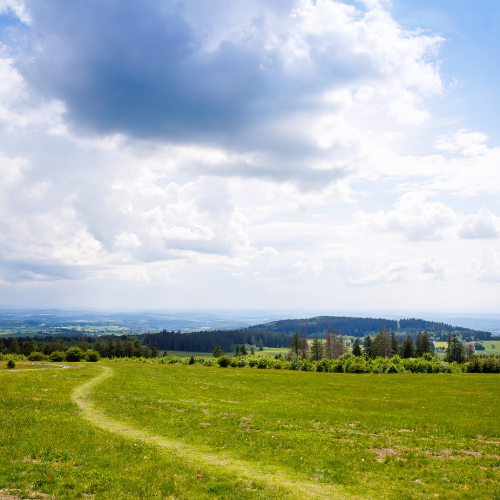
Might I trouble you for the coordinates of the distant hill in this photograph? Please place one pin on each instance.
(360, 327)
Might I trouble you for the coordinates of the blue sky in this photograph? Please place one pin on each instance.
(256, 154)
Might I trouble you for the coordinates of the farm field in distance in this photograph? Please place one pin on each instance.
(487, 344)
(268, 351)
(133, 430)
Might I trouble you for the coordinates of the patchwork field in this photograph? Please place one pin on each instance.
(128, 430)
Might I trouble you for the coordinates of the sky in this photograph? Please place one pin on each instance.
(250, 155)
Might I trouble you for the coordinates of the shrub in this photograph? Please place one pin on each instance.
(359, 367)
(263, 363)
(11, 364)
(234, 362)
(295, 363)
(74, 354)
(37, 356)
(92, 356)
(392, 369)
(191, 360)
(224, 361)
(59, 356)
(252, 362)
(242, 363)
(208, 362)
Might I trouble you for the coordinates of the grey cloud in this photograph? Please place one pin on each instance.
(143, 68)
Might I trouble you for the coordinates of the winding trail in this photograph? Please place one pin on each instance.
(298, 485)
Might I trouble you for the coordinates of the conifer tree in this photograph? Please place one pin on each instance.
(408, 348)
(128, 348)
(385, 346)
(138, 350)
(425, 343)
(99, 347)
(304, 346)
(394, 344)
(418, 347)
(356, 349)
(252, 350)
(328, 344)
(367, 347)
(154, 351)
(83, 344)
(243, 350)
(470, 351)
(295, 344)
(118, 349)
(218, 352)
(456, 351)
(237, 351)
(2, 346)
(14, 346)
(447, 356)
(261, 345)
(316, 349)
(110, 348)
(147, 351)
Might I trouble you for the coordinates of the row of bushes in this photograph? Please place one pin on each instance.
(73, 354)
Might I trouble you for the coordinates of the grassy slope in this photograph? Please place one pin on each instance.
(324, 425)
(314, 427)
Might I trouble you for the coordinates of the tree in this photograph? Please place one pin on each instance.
(82, 344)
(237, 351)
(243, 350)
(356, 349)
(425, 344)
(252, 350)
(261, 345)
(394, 343)
(447, 356)
(316, 349)
(29, 347)
(456, 351)
(110, 348)
(154, 351)
(295, 344)
(367, 347)
(118, 349)
(2, 346)
(138, 350)
(408, 348)
(128, 348)
(147, 351)
(74, 354)
(470, 351)
(99, 346)
(218, 352)
(304, 346)
(418, 341)
(14, 346)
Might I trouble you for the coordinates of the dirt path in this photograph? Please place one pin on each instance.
(298, 486)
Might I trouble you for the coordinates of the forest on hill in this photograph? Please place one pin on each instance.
(360, 327)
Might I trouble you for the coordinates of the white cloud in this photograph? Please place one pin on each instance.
(388, 273)
(314, 266)
(489, 266)
(433, 268)
(482, 225)
(413, 217)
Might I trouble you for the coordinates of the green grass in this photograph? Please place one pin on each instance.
(268, 351)
(226, 433)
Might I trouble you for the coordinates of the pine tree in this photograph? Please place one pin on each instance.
(356, 349)
(252, 350)
(138, 350)
(418, 347)
(14, 346)
(154, 351)
(408, 348)
(99, 346)
(328, 344)
(447, 356)
(237, 351)
(304, 346)
(457, 351)
(394, 344)
(367, 347)
(128, 348)
(470, 351)
(83, 344)
(147, 351)
(425, 343)
(118, 349)
(2, 346)
(261, 345)
(218, 352)
(110, 348)
(385, 347)
(316, 349)
(295, 344)
(243, 350)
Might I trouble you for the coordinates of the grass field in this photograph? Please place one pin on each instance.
(128, 430)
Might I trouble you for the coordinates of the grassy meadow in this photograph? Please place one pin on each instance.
(131, 430)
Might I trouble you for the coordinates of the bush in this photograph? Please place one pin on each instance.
(191, 360)
(92, 356)
(208, 362)
(74, 354)
(252, 362)
(263, 363)
(37, 356)
(242, 363)
(11, 364)
(59, 356)
(224, 361)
